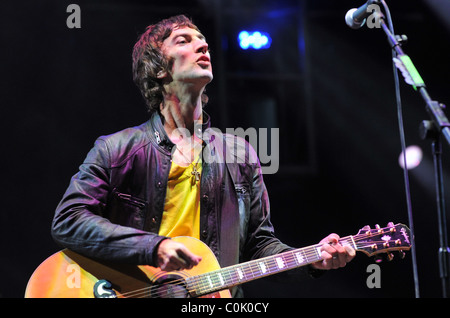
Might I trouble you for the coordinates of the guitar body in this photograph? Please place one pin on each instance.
(67, 274)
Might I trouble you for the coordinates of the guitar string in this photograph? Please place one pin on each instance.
(248, 267)
(203, 284)
(206, 286)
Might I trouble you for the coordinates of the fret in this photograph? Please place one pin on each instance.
(209, 281)
(319, 252)
(272, 264)
(269, 266)
(247, 273)
(234, 275)
(198, 285)
(221, 281)
(311, 254)
(280, 262)
(262, 267)
(258, 268)
(227, 276)
(349, 241)
(203, 284)
(290, 260)
(300, 257)
(250, 265)
(240, 273)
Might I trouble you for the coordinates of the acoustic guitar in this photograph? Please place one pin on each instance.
(67, 274)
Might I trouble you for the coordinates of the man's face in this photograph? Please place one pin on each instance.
(187, 50)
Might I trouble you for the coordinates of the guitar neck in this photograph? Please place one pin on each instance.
(245, 272)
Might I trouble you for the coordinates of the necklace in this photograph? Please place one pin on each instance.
(195, 174)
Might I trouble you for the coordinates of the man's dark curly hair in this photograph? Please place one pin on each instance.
(148, 59)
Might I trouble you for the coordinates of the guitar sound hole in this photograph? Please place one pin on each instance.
(169, 286)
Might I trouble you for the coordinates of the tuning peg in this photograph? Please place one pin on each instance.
(390, 256)
(391, 227)
(377, 226)
(402, 254)
(366, 229)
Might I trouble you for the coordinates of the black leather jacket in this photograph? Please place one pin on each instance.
(113, 206)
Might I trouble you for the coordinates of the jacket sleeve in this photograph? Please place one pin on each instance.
(79, 222)
(261, 239)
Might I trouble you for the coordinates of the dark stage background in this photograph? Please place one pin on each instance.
(328, 88)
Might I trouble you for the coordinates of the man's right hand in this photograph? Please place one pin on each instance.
(175, 256)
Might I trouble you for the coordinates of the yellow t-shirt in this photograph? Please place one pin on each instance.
(181, 216)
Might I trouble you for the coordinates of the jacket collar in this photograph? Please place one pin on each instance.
(158, 134)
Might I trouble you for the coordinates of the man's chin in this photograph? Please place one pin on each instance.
(207, 75)
(202, 78)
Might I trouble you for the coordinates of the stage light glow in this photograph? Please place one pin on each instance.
(414, 157)
(254, 40)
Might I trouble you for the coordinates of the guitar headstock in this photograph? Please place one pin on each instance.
(383, 240)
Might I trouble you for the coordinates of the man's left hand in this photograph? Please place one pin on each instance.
(334, 254)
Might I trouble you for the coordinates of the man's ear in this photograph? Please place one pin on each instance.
(161, 74)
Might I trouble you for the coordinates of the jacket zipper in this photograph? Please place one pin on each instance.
(131, 200)
(240, 189)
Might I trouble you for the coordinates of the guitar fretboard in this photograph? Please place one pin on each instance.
(245, 272)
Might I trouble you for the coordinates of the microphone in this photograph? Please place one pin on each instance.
(355, 18)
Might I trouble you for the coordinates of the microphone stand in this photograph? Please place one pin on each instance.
(434, 129)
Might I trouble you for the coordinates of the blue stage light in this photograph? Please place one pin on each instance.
(254, 40)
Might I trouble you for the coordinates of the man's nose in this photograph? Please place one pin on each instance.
(202, 47)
